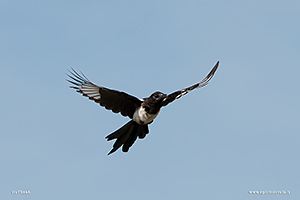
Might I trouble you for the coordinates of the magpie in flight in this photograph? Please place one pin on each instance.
(141, 111)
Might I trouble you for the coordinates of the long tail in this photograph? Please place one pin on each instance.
(126, 135)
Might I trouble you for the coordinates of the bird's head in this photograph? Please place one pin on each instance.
(157, 97)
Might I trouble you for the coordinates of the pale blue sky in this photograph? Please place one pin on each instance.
(239, 133)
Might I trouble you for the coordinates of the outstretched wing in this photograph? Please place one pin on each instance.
(110, 99)
(176, 95)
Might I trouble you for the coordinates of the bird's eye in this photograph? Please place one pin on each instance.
(156, 96)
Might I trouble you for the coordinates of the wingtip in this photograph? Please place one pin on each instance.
(215, 67)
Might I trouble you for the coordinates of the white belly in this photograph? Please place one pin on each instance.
(140, 116)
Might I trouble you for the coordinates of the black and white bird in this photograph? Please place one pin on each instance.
(141, 111)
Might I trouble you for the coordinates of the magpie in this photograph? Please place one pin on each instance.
(142, 112)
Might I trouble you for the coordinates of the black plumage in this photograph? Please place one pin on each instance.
(142, 112)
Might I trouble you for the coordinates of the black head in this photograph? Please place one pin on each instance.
(153, 103)
(157, 97)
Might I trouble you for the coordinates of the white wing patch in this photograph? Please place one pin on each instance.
(90, 91)
(84, 86)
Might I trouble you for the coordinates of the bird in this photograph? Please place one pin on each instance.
(141, 111)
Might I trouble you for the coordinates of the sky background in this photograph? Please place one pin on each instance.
(240, 133)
